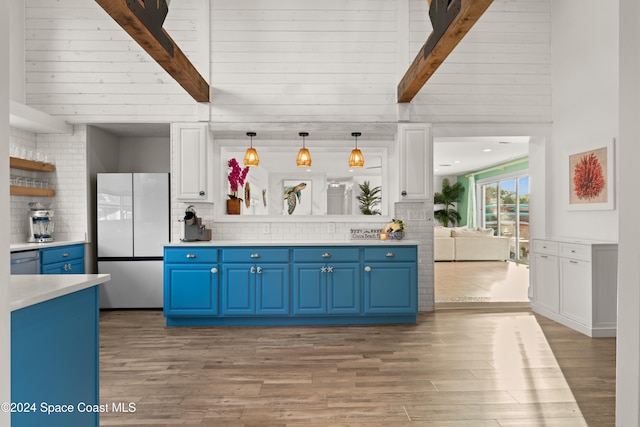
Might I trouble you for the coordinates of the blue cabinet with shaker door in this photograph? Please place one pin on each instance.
(67, 259)
(373, 283)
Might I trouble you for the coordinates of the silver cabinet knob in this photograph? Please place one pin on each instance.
(259, 270)
(253, 270)
(367, 269)
(214, 270)
(201, 193)
(323, 269)
(329, 269)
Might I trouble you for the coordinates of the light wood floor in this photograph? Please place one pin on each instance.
(490, 367)
(480, 281)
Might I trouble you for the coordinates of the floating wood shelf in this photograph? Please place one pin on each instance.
(30, 165)
(16, 190)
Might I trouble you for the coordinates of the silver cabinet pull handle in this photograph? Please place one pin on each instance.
(214, 270)
(190, 256)
(259, 270)
(66, 254)
(253, 270)
(326, 255)
(573, 262)
(255, 255)
(543, 256)
(367, 269)
(390, 254)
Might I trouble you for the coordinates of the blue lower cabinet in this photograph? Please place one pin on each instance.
(290, 286)
(54, 362)
(62, 260)
(326, 288)
(390, 288)
(255, 289)
(191, 290)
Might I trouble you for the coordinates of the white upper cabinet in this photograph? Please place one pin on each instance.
(190, 152)
(416, 170)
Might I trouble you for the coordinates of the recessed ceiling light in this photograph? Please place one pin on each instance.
(457, 162)
(486, 150)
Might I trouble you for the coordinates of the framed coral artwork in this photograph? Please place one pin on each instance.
(591, 179)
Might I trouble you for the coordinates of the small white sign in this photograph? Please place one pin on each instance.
(365, 233)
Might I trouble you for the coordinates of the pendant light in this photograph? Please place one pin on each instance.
(356, 160)
(304, 157)
(251, 156)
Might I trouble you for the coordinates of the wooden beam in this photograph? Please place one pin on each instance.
(451, 20)
(157, 42)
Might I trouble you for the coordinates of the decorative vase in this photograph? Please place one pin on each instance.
(233, 206)
(395, 235)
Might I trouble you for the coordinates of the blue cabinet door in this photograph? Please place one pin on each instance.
(72, 267)
(391, 288)
(343, 288)
(190, 290)
(309, 289)
(272, 289)
(332, 288)
(62, 260)
(238, 289)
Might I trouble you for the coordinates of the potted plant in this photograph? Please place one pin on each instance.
(369, 198)
(236, 178)
(394, 230)
(449, 195)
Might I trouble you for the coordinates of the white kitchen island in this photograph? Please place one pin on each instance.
(54, 349)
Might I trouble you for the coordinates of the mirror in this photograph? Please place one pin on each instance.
(278, 187)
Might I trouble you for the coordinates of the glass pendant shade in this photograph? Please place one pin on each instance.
(356, 159)
(251, 156)
(304, 157)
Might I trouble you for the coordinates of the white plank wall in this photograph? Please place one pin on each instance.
(499, 73)
(84, 67)
(289, 61)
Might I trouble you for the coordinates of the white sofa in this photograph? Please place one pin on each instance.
(469, 244)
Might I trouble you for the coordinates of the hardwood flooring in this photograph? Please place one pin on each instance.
(461, 282)
(483, 367)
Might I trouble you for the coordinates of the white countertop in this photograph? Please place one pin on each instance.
(27, 290)
(17, 247)
(355, 242)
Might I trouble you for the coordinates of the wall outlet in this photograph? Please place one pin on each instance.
(266, 228)
(331, 227)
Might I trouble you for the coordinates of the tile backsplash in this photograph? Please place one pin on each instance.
(68, 153)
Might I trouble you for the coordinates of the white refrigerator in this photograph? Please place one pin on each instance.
(133, 227)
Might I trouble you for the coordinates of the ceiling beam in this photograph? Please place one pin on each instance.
(451, 20)
(144, 23)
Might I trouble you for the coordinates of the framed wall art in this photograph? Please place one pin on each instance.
(592, 179)
(297, 197)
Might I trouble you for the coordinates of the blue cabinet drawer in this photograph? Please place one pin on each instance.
(326, 254)
(391, 253)
(191, 255)
(61, 254)
(255, 255)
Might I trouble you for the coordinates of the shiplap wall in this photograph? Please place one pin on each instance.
(289, 61)
(499, 73)
(83, 67)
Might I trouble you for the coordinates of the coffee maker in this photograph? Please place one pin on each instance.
(40, 222)
(193, 228)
